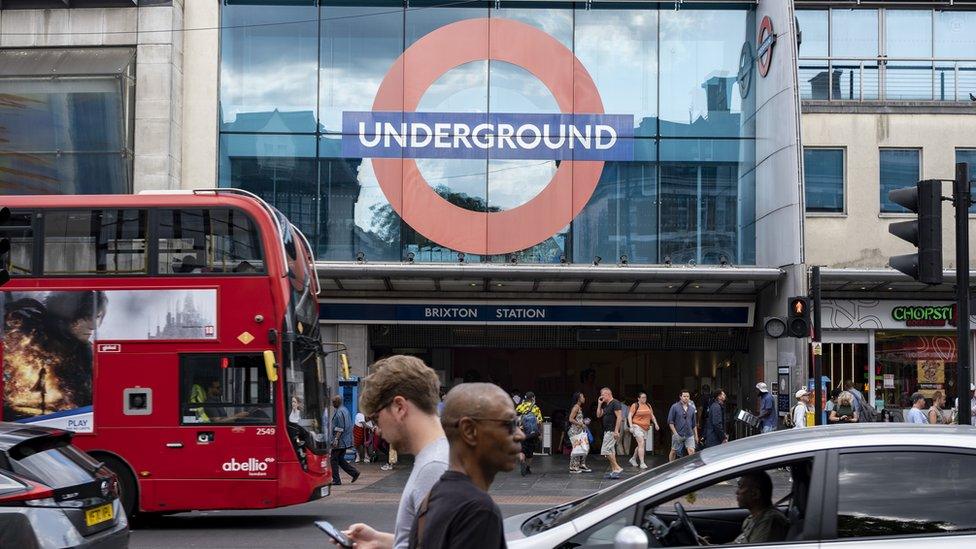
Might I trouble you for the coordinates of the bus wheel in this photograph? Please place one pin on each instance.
(127, 484)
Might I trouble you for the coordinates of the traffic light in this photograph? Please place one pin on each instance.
(925, 233)
(4, 247)
(798, 319)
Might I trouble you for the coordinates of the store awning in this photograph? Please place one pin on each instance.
(614, 282)
(883, 284)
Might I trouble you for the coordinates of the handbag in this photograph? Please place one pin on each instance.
(581, 446)
(589, 435)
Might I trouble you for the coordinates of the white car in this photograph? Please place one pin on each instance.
(859, 485)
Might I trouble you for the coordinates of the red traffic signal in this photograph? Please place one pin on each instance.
(799, 316)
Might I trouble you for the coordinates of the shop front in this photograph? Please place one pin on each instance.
(891, 349)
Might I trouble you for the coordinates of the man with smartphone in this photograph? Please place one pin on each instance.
(401, 398)
(609, 409)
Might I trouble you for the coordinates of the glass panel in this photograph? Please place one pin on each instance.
(969, 157)
(905, 493)
(908, 33)
(268, 67)
(699, 93)
(815, 81)
(624, 69)
(854, 33)
(21, 257)
(955, 34)
(908, 80)
(216, 241)
(95, 242)
(359, 45)
(824, 179)
(621, 217)
(851, 79)
(813, 26)
(226, 389)
(701, 214)
(280, 169)
(967, 81)
(899, 168)
(945, 82)
(899, 355)
(356, 216)
(63, 136)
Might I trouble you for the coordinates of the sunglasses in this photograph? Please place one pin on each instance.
(510, 424)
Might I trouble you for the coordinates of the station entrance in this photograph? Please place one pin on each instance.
(554, 362)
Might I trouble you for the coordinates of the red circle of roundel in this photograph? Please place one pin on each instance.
(487, 233)
(766, 57)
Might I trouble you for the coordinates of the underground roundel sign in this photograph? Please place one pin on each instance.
(765, 40)
(581, 136)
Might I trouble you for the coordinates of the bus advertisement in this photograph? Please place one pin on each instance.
(177, 335)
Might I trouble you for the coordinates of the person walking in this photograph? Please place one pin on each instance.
(391, 458)
(937, 415)
(400, 396)
(715, 432)
(684, 431)
(341, 441)
(767, 408)
(484, 437)
(578, 436)
(359, 438)
(530, 420)
(609, 410)
(843, 411)
(641, 419)
(915, 413)
(800, 411)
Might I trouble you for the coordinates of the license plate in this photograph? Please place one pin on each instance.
(324, 491)
(98, 514)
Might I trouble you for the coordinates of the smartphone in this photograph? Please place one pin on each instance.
(333, 533)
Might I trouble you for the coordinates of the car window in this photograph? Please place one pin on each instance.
(721, 495)
(905, 493)
(58, 467)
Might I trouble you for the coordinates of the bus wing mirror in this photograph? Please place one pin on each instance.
(269, 365)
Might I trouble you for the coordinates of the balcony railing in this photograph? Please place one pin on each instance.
(887, 79)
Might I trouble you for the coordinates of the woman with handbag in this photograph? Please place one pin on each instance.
(641, 418)
(578, 435)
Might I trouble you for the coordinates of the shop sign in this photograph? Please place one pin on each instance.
(582, 136)
(597, 314)
(765, 42)
(889, 381)
(925, 315)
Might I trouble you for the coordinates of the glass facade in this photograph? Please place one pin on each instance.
(888, 54)
(686, 193)
(969, 157)
(823, 173)
(899, 168)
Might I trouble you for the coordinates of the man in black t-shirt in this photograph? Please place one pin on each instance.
(609, 409)
(483, 432)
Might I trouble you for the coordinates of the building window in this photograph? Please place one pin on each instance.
(66, 120)
(899, 168)
(824, 180)
(969, 157)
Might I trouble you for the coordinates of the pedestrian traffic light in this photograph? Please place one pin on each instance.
(798, 318)
(925, 233)
(4, 247)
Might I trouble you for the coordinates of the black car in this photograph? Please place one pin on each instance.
(53, 495)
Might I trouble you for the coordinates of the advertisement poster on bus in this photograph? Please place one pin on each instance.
(48, 344)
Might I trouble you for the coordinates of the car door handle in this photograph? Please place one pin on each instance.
(174, 444)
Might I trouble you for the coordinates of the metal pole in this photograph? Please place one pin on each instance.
(961, 200)
(817, 357)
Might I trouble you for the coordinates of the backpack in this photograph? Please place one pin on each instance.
(530, 424)
(868, 413)
(788, 420)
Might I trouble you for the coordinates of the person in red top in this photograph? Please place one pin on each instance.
(641, 418)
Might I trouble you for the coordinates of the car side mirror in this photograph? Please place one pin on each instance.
(630, 537)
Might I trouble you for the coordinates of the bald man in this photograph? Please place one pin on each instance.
(482, 429)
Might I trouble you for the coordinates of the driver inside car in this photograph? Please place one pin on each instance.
(765, 523)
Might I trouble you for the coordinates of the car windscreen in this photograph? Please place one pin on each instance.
(625, 487)
(57, 466)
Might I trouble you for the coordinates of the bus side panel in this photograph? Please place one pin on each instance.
(203, 494)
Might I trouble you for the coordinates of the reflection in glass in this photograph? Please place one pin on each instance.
(854, 80)
(280, 169)
(955, 34)
(813, 25)
(624, 69)
(699, 93)
(908, 33)
(908, 80)
(823, 179)
(854, 33)
(899, 168)
(268, 68)
(358, 46)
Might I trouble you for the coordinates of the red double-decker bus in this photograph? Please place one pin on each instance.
(177, 334)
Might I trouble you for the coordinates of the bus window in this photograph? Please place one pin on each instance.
(21, 236)
(95, 242)
(218, 241)
(232, 389)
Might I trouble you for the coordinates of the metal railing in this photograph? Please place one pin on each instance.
(887, 79)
